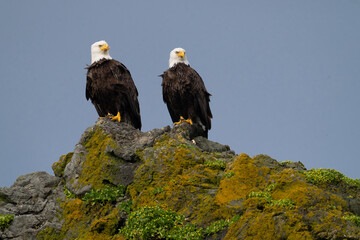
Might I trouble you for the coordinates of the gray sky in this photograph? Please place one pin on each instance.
(284, 75)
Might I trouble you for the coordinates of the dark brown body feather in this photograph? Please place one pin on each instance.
(185, 95)
(111, 89)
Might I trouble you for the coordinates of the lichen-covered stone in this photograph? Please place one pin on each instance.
(176, 170)
(59, 166)
(106, 154)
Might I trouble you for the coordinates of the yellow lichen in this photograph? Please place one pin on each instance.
(184, 177)
(98, 165)
(207, 187)
(59, 166)
(246, 178)
(84, 222)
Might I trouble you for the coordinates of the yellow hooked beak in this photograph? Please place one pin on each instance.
(181, 54)
(104, 47)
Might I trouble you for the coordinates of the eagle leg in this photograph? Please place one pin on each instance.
(117, 117)
(183, 120)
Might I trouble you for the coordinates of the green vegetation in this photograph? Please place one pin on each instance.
(158, 190)
(271, 187)
(186, 232)
(49, 234)
(215, 163)
(125, 206)
(187, 146)
(285, 202)
(59, 166)
(220, 225)
(102, 196)
(156, 223)
(5, 221)
(274, 201)
(283, 163)
(355, 219)
(229, 174)
(261, 195)
(69, 194)
(328, 176)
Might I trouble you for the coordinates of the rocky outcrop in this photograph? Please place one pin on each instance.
(118, 176)
(33, 199)
(106, 153)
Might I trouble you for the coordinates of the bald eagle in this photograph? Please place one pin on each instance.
(111, 88)
(185, 94)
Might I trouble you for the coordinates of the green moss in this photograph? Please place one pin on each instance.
(3, 199)
(50, 234)
(5, 221)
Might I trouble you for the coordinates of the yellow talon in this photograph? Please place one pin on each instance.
(108, 116)
(117, 117)
(189, 121)
(183, 120)
(180, 121)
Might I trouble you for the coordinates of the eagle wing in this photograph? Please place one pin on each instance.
(171, 94)
(201, 98)
(91, 92)
(125, 86)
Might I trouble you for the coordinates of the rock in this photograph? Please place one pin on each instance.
(235, 196)
(33, 201)
(210, 146)
(117, 143)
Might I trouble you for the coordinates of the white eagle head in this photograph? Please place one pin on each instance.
(99, 50)
(177, 55)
